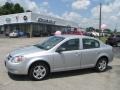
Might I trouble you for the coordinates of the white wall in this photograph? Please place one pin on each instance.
(32, 17)
(60, 22)
(15, 18)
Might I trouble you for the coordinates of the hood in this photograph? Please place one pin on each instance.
(25, 50)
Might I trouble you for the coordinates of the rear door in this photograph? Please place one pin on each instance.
(90, 52)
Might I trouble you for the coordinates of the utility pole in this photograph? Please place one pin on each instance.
(115, 30)
(100, 19)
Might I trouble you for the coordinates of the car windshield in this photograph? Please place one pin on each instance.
(50, 43)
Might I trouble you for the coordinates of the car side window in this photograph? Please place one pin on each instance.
(90, 43)
(70, 45)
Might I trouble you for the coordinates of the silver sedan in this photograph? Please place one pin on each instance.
(59, 53)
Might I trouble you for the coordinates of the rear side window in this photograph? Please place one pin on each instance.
(90, 43)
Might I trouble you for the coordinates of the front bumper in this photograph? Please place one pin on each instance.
(16, 68)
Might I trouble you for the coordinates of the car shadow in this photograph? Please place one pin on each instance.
(18, 77)
(75, 73)
(58, 74)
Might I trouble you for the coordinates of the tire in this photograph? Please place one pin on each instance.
(101, 65)
(38, 71)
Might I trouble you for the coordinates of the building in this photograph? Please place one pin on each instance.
(34, 24)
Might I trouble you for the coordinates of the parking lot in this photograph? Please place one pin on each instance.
(86, 79)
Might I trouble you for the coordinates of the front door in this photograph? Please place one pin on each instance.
(70, 57)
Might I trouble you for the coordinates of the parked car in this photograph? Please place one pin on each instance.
(59, 53)
(17, 33)
(14, 34)
(74, 33)
(113, 40)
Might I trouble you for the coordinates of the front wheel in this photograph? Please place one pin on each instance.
(38, 71)
(101, 65)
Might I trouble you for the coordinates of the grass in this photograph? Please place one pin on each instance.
(103, 39)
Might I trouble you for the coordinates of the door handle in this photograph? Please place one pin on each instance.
(77, 54)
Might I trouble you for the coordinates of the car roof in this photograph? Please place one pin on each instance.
(76, 36)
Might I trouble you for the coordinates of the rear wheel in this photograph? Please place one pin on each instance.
(38, 71)
(101, 65)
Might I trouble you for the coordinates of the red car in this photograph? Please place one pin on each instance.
(75, 32)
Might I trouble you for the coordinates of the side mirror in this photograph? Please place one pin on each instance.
(59, 50)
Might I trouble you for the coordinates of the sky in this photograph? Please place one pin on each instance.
(83, 12)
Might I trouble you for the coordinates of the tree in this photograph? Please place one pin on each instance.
(109, 31)
(10, 8)
(1, 11)
(18, 8)
(97, 30)
(90, 29)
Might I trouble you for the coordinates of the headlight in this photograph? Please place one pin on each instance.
(18, 59)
